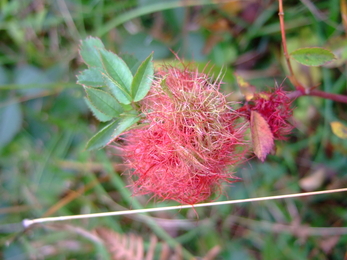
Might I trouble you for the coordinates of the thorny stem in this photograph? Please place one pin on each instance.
(301, 91)
(319, 93)
(291, 77)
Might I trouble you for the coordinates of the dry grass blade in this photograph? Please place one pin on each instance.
(213, 253)
(122, 247)
(152, 245)
(131, 246)
(165, 252)
(28, 222)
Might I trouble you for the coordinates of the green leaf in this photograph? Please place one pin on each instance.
(91, 77)
(131, 61)
(124, 124)
(99, 115)
(312, 56)
(103, 137)
(104, 102)
(117, 71)
(143, 79)
(10, 122)
(122, 96)
(90, 51)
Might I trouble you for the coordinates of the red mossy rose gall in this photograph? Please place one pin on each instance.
(189, 138)
(275, 107)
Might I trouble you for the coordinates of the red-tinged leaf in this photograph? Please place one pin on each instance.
(262, 137)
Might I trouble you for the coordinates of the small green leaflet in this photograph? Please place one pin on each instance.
(99, 115)
(111, 131)
(104, 102)
(312, 56)
(117, 71)
(132, 62)
(90, 51)
(142, 80)
(122, 96)
(124, 124)
(103, 137)
(91, 77)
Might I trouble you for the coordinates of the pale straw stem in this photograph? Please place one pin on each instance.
(28, 222)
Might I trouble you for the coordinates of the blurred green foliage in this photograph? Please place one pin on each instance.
(45, 124)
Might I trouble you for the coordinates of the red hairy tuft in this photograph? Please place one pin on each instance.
(275, 108)
(189, 137)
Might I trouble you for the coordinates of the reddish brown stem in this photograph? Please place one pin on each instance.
(301, 91)
(291, 76)
(319, 93)
(284, 41)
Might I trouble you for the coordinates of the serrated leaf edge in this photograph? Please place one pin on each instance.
(93, 109)
(128, 91)
(84, 85)
(80, 49)
(134, 121)
(98, 133)
(143, 66)
(126, 94)
(105, 103)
